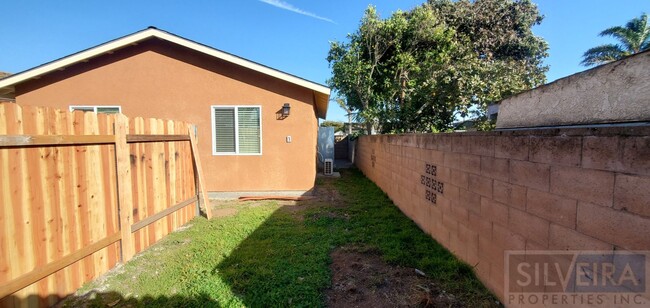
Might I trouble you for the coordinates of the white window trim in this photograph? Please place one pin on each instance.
(214, 137)
(94, 107)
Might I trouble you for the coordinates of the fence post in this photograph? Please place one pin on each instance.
(124, 188)
(201, 193)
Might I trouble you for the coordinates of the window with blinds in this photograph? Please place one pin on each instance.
(237, 130)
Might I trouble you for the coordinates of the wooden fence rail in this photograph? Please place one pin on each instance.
(81, 192)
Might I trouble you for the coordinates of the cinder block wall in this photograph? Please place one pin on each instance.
(479, 194)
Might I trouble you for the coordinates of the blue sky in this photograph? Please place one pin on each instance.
(291, 35)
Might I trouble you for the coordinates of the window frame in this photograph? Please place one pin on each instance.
(214, 137)
(94, 107)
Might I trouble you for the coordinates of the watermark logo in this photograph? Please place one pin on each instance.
(576, 278)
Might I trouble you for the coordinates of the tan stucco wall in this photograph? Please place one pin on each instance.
(157, 79)
(611, 93)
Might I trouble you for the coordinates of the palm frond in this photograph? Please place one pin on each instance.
(638, 24)
(634, 37)
(646, 44)
(627, 36)
(603, 54)
(341, 102)
(645, 36)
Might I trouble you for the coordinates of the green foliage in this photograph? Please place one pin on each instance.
(417, 70)
(338, 126)
(268, 255)
(633, 38)
(485, 125)
(356, 134)
(356, 65)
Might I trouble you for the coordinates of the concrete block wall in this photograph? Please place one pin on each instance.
(480, 194)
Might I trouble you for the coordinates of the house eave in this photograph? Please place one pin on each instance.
(7, 85)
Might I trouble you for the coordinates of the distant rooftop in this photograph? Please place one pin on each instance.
(2, 99)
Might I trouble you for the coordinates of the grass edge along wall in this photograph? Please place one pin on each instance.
(480, 194)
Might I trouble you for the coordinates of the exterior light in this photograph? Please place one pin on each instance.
(286, 110)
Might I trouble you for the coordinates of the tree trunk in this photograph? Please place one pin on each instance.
(349, 123)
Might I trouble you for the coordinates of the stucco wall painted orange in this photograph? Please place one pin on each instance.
(162, 80)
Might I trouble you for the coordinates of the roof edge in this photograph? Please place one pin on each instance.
(12, 80)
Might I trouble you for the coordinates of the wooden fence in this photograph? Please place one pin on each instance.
(81, 192)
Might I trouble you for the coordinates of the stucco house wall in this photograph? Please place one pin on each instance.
(160, 79)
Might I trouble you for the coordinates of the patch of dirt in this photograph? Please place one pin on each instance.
(324, 194)
(360, 278)
(223, 212)
(216, 203)
(327, 192)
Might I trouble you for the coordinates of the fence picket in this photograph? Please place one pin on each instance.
(60, 192)
(124, 186)
(203, 196)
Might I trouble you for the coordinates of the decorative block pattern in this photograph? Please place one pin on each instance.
(559, 189)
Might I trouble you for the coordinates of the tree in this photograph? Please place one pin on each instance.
(506, 57)
(379, 71)
(343, 105)
(420, 50)
(356, 64)
(338, 126)
(416, 71)
(633, 38)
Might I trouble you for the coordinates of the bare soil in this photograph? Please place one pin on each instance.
(326, 192)
(360, 278)
(223, 212)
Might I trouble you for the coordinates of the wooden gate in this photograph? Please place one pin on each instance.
(341, 147)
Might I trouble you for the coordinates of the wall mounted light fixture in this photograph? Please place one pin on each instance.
(286, 110)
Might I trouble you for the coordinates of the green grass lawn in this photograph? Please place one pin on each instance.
(270, 254)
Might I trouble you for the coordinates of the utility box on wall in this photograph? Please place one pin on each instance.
(325, 145)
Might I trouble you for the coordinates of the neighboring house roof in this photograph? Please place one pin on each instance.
(7, 85)
(2, 99)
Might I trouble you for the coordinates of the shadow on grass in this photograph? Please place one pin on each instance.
(285, 261)
(275, 254)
